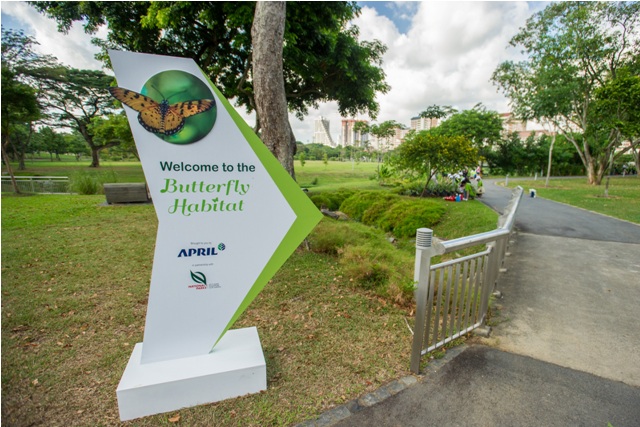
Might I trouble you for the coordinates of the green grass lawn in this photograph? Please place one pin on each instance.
(317, 176)
(623, 200)
(123, 171)
(75, 277)
(314, 175)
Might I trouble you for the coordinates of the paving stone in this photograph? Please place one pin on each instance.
(333, 416)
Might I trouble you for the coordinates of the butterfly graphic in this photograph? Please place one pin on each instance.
(161, 117)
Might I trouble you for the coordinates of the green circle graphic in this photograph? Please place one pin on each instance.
(179, 86)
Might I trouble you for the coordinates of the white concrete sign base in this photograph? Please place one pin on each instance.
(235, 367)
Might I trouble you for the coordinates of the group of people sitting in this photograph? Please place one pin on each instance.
(466, 189)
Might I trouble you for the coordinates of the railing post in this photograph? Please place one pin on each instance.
(424, 252)
(488, 281)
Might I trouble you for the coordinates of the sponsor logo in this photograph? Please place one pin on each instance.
(200, 281)
(209, 251)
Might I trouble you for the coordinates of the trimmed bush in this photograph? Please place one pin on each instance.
(381, 268)
(331, 236)
(405, 217)
(338, 197)
(321, 201)
(330, 199)
(356, 205)
(392, 213)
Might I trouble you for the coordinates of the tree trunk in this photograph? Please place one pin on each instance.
(5, 157)
(22, 165)
(592, 176)
(267, 35)
(553, 141)
(95, 157)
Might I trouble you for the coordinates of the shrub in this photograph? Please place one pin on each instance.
(356, 205)
(368, 260)
(331, 236)
(391, 213)
(375, 212)
(441, 189)
(416, 189)
(86, 183)
(381, 268)
(412, 188)
(331, 199)
(321, 201)
(406, 216)
(338, 197)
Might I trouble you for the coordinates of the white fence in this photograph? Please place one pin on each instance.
(452, 298)
(37, 184)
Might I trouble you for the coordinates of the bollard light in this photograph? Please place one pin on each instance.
(424, 236)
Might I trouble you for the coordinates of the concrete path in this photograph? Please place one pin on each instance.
(565, 347)
(572, 290)
(485, 387)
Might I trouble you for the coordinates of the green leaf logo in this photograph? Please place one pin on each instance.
(199, 277)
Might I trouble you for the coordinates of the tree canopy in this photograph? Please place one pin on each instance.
(574, 49)
(66, 97)
(481, 126)
(437, 112)
(427, 152)
(75, 102)
(323, 58)
(19, 99)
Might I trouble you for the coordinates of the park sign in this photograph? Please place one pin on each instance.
(229, 215)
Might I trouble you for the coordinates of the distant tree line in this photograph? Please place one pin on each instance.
(323, 61)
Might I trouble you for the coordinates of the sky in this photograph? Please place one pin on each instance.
(441, 53)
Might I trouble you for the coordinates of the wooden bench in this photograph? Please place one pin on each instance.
(131, 192)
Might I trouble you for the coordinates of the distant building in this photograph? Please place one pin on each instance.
(322, 135)
(386, 144)
(423, 123)
(349, 136)
(524, 128)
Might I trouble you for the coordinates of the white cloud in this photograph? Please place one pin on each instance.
(73, 49)
(445, 57)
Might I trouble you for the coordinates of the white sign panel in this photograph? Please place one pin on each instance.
(229, 215)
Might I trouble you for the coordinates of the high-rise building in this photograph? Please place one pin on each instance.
(350, 136)
(390, 142)
(423, 123)
(322, 135)
(526, 128)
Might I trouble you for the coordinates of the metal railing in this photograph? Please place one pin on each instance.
(452, 298)
(37, 184)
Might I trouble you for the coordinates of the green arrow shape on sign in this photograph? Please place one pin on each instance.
(307, 215)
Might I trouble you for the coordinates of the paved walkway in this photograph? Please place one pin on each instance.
(572, 290)
(566, 346)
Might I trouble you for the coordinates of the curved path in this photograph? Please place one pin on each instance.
(565, 347)
(545, 217)
(572, 289)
